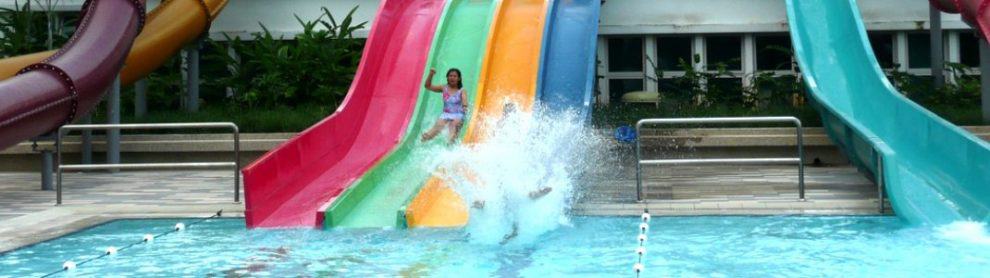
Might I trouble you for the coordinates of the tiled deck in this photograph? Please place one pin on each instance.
(29, 215)
(731, 190)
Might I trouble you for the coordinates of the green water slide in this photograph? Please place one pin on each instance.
(934, 172)
(379, 197)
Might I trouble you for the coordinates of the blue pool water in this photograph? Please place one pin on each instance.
(678, 246)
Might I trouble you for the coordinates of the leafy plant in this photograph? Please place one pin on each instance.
(695, 86)
(24, 30)
(964, 90)
(318, 66)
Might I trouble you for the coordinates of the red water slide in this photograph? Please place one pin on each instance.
(67, 85)
(290, 185)
(974, 12)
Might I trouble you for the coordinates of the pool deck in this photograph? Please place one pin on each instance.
(731, 190)
(29, 215)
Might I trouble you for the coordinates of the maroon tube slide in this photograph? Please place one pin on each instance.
(67, 85)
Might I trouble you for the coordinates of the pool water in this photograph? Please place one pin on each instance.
(590, 246)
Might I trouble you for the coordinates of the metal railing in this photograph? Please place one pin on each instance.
(726, 120)
(236, 164)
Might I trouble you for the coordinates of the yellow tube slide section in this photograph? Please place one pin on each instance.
(509, 72)
(169, 27)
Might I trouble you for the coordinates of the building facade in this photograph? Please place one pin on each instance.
(639, 38)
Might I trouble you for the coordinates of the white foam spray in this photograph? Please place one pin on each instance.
(521, 153)
(965, 231)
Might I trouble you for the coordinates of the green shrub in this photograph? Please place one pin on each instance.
(318, 66)
(24, 30)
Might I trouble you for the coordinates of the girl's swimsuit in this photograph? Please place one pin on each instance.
(453, 108)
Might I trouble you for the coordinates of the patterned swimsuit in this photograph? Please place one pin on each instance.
(453, 108)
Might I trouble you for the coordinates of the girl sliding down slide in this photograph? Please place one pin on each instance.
(454, 105)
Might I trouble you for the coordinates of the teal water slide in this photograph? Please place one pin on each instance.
(933, 172)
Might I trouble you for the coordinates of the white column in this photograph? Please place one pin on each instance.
(649, 72)
(952, 51)
(901, 51)
(748, 59)
(603, 70)
(952, 54)
(699, 51)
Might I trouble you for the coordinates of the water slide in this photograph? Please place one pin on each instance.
(509, 72)
(67, 84)
(170, 26)
(974, 12)
(379, 197)
(567, 77)
(293, 184)
(934, 172)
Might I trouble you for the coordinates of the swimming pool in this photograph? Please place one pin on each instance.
(591, 246)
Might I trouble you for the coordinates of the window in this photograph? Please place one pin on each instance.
(724, 50)
(969, 49)
(883, 48)
(672, 50)
(618, 87)
(773, 52)
(919, 51)
(625, 54)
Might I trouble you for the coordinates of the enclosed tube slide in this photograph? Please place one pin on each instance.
(170, 26)
(66, 85)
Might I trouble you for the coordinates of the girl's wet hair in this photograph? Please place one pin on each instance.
(460, 78)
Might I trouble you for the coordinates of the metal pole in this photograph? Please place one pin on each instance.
(46, 170)
(985, 78)
(937, 56)
(639, 169)
(192, 79)
(237, 165)
(141, 98)
(113, 117)
(58, 167)
(86, 146)
(800, 143)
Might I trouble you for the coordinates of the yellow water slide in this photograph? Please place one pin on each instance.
(169, 27)
(509, 73)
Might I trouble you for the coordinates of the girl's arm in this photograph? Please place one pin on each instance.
(429, 82)
(464, 100)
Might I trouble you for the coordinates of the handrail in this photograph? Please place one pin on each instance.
(721, 120)
(236, 164)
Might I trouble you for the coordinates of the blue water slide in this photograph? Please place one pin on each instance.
(567, 73)
(934, 172)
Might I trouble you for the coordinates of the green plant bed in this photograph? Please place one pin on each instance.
(963, 115)
(628, 114)
(279, 119)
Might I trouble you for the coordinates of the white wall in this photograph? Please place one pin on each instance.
(618, 16)
(242, 16)
(736, 16)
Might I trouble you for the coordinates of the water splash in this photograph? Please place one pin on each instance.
(521, 154)
(965, 231)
